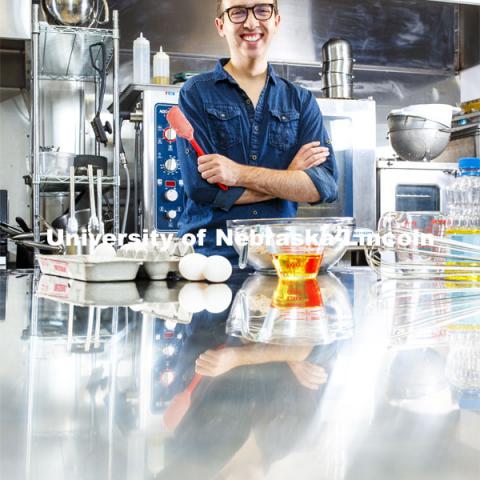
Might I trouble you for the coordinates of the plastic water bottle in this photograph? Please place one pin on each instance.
(141, 60)
(463, 223)
(161, 68)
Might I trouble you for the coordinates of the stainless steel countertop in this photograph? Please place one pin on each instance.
(93, 400)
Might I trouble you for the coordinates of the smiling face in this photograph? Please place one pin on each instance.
(251, 38)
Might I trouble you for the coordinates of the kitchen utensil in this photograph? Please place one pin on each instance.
(99, 128)
(93, 223)
(434, 112)
(338, 91)
(397, 121)
(76, 12)
(72, 223)
(336, 49)
(181, 403)
(82, 216)
(313, 312)
(100, 202)
(419, 144)
(9, 229)
(178, 121)
(408, 256)
(23, 224)
(258, 257)
(42, 247)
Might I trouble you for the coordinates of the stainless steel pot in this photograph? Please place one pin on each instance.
(77, 13)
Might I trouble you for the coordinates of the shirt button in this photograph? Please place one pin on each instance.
(254, 158)
(187, 151)
(222, 115)
(254, 212)
(284, 117)
(248, 101)
(255, 128)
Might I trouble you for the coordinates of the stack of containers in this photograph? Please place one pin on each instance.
(337, 72)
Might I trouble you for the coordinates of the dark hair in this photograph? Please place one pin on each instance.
(220, 7)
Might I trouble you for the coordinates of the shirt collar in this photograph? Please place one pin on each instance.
(221, 74)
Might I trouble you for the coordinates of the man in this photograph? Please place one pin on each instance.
(264, 136)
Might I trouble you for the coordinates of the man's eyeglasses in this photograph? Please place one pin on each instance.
(262, 12)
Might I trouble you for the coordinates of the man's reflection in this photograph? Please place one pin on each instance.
(253, 399)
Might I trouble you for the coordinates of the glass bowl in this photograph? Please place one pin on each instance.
(249, 238)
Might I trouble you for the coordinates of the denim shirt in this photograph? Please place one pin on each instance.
(270, 135)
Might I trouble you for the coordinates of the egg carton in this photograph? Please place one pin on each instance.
(88, 268)
(85, 294)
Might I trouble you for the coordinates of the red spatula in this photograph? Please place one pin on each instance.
(181, 403)
(179, 122)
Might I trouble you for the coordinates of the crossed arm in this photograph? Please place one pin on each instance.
(263, 184)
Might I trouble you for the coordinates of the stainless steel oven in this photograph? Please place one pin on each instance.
(412, 186)
(352, 128)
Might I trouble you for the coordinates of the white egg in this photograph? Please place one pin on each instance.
(192, 266)
(218, 269)
(192, 297)
(218, 298)
(104, 250)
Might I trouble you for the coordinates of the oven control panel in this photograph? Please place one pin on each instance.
(169, 184)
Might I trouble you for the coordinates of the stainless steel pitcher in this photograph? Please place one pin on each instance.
(78, 13)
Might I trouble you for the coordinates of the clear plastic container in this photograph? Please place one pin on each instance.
(141, 60)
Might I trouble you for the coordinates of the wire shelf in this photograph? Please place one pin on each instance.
(79, 180)
(64, 51)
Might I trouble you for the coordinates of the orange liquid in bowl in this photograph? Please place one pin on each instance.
(296, 266)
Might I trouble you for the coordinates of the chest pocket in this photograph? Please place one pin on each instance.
(224, 125)
(283, 129)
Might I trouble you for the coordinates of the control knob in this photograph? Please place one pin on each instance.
(171, 164)
(171, 214)
(171, 195)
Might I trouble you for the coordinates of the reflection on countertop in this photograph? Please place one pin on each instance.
(339, 378)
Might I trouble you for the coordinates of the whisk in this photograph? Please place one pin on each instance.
(403, 253)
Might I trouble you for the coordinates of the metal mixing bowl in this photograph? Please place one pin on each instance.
(407, 122)
(419, 144)
(260, 259)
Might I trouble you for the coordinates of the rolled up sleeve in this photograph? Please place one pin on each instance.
(312, 129)
(198, 189)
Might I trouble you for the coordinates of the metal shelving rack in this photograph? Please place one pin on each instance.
(62, 53)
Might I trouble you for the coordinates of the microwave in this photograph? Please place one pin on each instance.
(404, 186)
